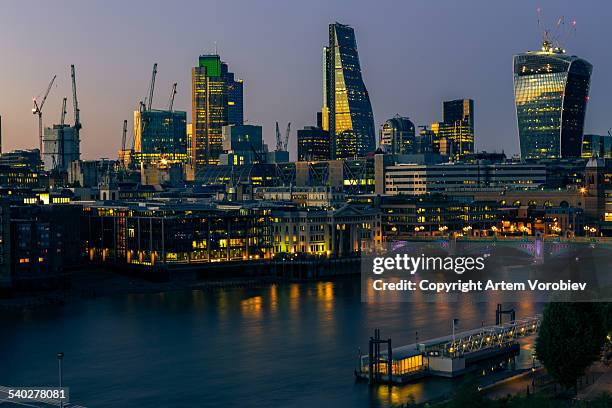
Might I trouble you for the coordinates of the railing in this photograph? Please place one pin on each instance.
(487, 337)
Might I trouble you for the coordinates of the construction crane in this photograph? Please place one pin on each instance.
(37, 110)
(279, 142)
(282, 144)
(61, 136)
(149, 101)
(172, 95)
(286, 141)
(63, 116)
(123, 140)
(75, 104)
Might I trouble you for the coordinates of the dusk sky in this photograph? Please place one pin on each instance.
(414, 55)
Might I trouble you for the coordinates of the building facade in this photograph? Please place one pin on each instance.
(415, 179)
(313, 144)
(551, 91)
(242, 144)
(217, 101)
(61, 146)
(160, 136)
(346, 102)
(397, 136)
(596, 146)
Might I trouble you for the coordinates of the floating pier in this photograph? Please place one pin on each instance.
(485, 348)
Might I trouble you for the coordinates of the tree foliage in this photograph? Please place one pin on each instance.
(569, 340)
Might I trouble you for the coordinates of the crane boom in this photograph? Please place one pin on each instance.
(172, 95)
(152, 87)
(286, 141)
(63, 116)
(37, 110)
(279, 143)
(124, 136)
(75, 102)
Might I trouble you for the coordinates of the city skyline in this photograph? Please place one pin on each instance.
(109, 92)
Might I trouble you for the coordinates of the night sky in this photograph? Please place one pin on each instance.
(414, 55)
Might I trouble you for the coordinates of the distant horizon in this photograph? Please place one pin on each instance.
(413, 57)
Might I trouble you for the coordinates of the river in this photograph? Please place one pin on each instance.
(293, 344)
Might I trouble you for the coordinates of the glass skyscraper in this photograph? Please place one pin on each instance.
(216, 102)
(160, 136)
(347, 111)
(551, 91)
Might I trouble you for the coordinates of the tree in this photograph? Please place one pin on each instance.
(569, 340)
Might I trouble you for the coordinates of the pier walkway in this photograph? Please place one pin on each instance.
(447, 356)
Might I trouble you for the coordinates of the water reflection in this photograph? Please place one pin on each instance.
(278, 343)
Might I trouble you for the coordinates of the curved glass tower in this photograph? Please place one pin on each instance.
(346, 102)
(551, 90)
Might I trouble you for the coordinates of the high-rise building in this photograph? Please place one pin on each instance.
(313, 144)
(217, 101)
(61, 146)
(347, 111)
(397, 136)
(596, 146)
(456, 131)
(160, 136)
(242, 144)
(551, 90)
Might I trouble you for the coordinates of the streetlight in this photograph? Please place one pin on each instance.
(60, 358)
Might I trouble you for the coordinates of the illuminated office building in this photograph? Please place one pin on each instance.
(217, 101)
(397, 136)
(160, 136)
(551, 90)
(313, 144)
(596, 146)
(456, 131)
(347, 111)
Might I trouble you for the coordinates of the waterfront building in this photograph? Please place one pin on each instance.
(154, 234)
(5, 245)
(347, 111)
(313, 144)
(161, 234)
(598, 146)
(551, 91)
(403, 216)
(397, 136)
(160, 136)
(342, 232)
(44, 241)
(416, 179)
(61, 146)
(217, 101)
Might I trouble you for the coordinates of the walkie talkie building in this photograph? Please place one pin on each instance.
(551, 91)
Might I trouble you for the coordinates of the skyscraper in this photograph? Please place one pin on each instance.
(347, 111)
(456, 131)
(160, 135)
(397, 136)
(216, 102)
(551, 90)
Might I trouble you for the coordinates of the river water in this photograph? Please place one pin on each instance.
(293, 344)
